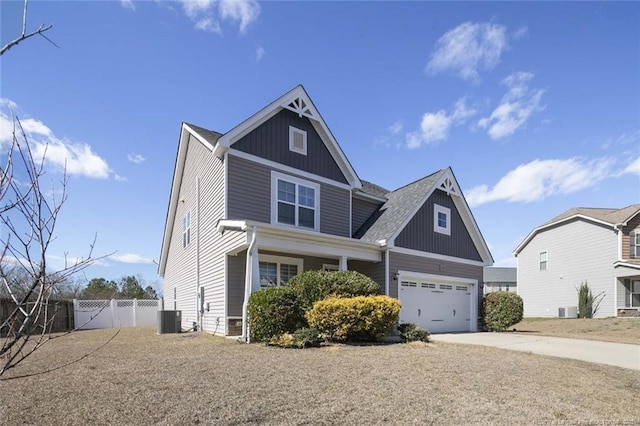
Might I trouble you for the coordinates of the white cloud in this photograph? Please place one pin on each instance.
(515, 107)
(136, 158)
(206, 17)
(520, 32)
(119, 178)
(128, 4)
(396, 128)
(78, 158)
(540, 179)
(435, 127)
(468, 48)
(130, 258)
(391, 135)
(260, 52)
(633, 168)
(244, 11)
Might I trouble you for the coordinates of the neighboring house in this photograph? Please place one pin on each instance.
(275, 196)
(599, 246)
(500, 279)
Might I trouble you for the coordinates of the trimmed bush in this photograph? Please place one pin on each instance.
(274, 312)
(301, 338)
(354, 318)
(502, 310)
(412, 333)
(313, 286)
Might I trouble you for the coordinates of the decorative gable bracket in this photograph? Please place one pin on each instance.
(448, 186)
(300, 107)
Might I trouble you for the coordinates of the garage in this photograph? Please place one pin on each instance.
(437, 303)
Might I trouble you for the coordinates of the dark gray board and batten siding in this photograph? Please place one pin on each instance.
(270, 140)
(361, 211)
(418, 234)
(249, 197)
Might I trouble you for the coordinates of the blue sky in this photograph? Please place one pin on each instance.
(535, 106)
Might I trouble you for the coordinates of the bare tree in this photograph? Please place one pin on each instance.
(28, 216)
(25, 35)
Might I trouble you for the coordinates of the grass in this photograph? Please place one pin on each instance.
(619, 330)
(145, 379)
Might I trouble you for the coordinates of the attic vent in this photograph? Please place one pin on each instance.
(300, 107)
(447, 186)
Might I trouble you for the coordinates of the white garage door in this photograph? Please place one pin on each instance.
(439, 306)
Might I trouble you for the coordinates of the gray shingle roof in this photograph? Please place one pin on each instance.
(401, 203)
(373, 189)
(500, 275)
(208, 135)
(612, 216)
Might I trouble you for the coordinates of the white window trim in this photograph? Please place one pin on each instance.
(330, 267)
(634, 247)
(631, 293)
(186, 230)
(280, 260)
(275, 176)
(436, 225)
(292, 132)
(546, 261)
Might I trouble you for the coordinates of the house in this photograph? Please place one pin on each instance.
(596, 245)
(276, 195)
(500, 279)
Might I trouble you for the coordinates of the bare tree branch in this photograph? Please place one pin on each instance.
(24, 35)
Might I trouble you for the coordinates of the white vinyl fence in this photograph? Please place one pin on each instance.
(115, 313)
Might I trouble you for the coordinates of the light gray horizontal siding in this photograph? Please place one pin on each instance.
(577, 251)
(361, 211)
(249, 197)
(419, 233)
(271, 141)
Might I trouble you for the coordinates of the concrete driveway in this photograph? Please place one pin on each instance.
(616, 354)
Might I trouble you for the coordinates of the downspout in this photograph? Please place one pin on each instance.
(198, 293)
(248, 282)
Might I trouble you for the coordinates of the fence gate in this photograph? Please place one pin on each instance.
(115, 313)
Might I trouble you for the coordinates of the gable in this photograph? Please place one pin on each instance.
(418, 233)
(270, 141)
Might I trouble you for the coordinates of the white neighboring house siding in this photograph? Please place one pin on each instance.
(576, 251)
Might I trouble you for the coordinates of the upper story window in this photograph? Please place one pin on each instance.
(294, 202)
(634, 250)
(186, 229)
(297, 140)
(543, 261)
(441, 219)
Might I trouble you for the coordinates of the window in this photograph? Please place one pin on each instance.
(635, 294)
(329, 267)
(186, 229)
(297, 140)
(276, 271)
(175, 299)
(543, 261)
(634, 251)
(294, 202)
(441, 219)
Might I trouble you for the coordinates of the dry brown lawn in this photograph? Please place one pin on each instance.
(620, 330)
(141, 378)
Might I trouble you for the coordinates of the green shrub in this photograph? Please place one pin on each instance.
(354, 318)
(312, 286)
(588, 304)
(412, 333)
(273, 312)
(301, 338)
(502, 310)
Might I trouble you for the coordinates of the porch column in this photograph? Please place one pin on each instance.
(342, 266)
